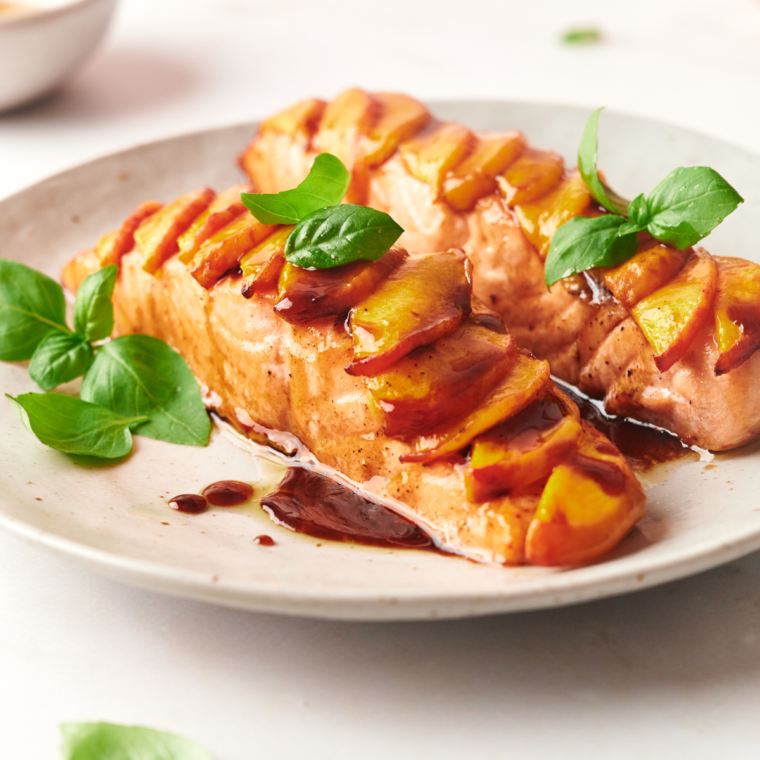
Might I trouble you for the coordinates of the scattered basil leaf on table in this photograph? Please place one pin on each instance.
(93, 310)
(60, 358)
(138, 375)
(31, 307)
(108, 741)
(684, 208)
(587, 36)
(325, 186)
(341, 235)
(583, 243)
(74, 426)
(587, 158)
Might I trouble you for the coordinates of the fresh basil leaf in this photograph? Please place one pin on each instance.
(587, 157)
(340, 235)
(688, 204)
(93, 310)
(68, 424)
(60, 358)
(138, 375)
(638, 211)
(108, 741)
(31, 306)
(584, 243)
(586, 36)
(325, 186)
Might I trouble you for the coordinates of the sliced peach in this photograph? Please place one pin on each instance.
(445, 381)
(737, 312)
(261, 266)
(671, 317)
(532, 175)
(224, 209)
(653, 266)
(299, 121)
(156, 237)
(423, 300)
(589, 503)
(114, 245)
(435, 152)
(476, 175)
(523, 449)
(401, 117)
(223, 251)
(307, 295)
(542, 217)
(524, 382)
(346, 119)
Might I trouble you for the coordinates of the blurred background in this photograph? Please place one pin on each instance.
(166, 66)
(668, 673)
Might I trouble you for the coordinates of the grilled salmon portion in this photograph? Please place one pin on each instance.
(668, 338)
(441, 416)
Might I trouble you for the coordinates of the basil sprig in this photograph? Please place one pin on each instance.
(684, 208)
(341, 235)
(325, 186)
(131, 381)
(326, 234)
(109, 741)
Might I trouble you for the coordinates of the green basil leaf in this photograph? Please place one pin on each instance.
(688, 204)
(587, 157)
(60, 358)
(108, 741)
(31, 306)
(638, 212)
(93, 310)
(583, 243)
(325, 186)
(138, 375)
(586, 36)
(340, 235)
(68, 424)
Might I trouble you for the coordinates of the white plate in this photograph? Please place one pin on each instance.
(115, 519)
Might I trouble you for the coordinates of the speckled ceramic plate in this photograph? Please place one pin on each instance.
(115, 519)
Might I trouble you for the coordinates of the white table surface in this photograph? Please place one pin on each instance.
(667, 673)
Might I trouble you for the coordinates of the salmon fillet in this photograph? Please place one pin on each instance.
(281, 382)
(588, 336)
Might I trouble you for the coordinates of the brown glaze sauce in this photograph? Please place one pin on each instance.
(191, 503)
(310, 503)
(643, 446)
(228, 493)
(264, 540)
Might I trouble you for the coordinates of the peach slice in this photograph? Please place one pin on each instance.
(737, 312)
(114, 245)
(541, 218)
(156, 238)
(671, 317)
(224, 209)
(652, 267)
(436, 151)
(307, 295)
(476, 175)
(223, 251)
(299, 121)
(423, 300)
(587, 506)
(532, 175)
(345, 121)
(523, 449)
(445, 381)
(261, 266)
(401, 117)
(524, 382)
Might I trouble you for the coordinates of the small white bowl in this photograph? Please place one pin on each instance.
(40, 49)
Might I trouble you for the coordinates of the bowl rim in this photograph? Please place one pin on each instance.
(40, 13)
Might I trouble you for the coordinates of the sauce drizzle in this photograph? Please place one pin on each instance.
(191, 503)
(228, 493)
